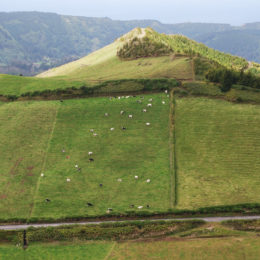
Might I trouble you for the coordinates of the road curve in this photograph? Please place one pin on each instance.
(206, 219)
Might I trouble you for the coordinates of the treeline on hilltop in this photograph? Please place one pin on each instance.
(183, 45)
(143, 47)
(227, 78)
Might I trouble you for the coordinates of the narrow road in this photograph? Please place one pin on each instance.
(206, 219)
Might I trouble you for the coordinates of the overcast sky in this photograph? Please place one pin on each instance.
(235, 12)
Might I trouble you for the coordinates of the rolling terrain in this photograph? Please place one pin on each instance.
(32, 42)
(194, 153)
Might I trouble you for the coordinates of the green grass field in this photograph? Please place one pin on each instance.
(16, 85)
(218, 147)
(240, 247)
(24, 132)
(90, 251)
(33, 135)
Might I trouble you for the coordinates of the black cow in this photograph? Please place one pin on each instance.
(89, 204)
(47, 200)
(91, 159)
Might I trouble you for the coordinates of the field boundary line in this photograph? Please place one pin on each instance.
(110, 251)
(171, 152)
(175, 153)
(44, 162)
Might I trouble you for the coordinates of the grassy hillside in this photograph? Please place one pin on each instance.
(217, 146)
(16, 85)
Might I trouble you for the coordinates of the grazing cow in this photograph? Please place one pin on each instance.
(136, 177)
(149, 105)
(68, 179)
(90, 153)
(89, 204)
(94, 134)
(130, 116)
(123, 128)
(148, 180)
(47, 200)
(122, 112)
(100, 185)
(150, 100)
(144, 110)
(119, 180)
(140, 207)
(112, 128)
(91, 159)
(147, 124)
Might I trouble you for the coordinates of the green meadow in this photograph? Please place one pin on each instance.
(16, 85)
(33, 135)
(217, 151)
(230, 247)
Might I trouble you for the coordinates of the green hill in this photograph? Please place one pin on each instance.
(144, 53)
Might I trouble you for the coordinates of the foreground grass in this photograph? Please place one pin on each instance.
(242, 247)
(90, 251)
(24, 132)
(214, 248)
(218, 147)
(140, 150)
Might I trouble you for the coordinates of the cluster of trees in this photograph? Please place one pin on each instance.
(227, 78)
(144, 47)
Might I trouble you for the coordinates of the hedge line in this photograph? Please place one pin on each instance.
(107, 87)
(245, 225)
(242, 209)
(108, 231)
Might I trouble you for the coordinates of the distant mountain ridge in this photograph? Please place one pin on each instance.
(31, 42)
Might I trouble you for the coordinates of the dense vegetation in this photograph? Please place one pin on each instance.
(32, 42)
(144, 47)
(227, 78)
(183, 45)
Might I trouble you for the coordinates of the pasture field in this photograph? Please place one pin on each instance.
(16, 85)
(140, 150)
(33, 135)
(217, 150)
(24, 132)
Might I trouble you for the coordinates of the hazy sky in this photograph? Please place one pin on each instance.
(169, 11)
